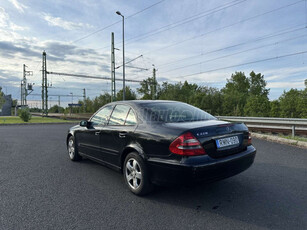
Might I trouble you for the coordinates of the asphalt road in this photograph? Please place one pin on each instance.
(40, 188)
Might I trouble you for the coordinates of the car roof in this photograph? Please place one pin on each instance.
(138, 102)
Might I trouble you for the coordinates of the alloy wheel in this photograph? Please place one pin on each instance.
(71, 148)
(133, 173)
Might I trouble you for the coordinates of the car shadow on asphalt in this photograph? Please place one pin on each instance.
(260, 201)
(253, 197)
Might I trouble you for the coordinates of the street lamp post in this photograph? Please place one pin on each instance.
(72, 102)
(124, 87)
(72, 98)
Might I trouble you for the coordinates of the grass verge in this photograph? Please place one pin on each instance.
(17, 120)
(294, 138)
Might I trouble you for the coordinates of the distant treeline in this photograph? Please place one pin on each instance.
(241, 96)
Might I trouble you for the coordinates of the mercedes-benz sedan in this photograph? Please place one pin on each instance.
(162, 142)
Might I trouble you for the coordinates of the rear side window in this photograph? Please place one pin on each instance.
(131, 119)
(119, 115)
(102, 116)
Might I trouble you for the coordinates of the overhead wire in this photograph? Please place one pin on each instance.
(114, 23)
(246, 63)
(271, 35)
(223, 27)
(232, 54)
(181, 22)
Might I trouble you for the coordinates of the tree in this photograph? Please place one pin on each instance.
(257, 106)
(101, 100)
(56, 109)
(148, 87)
(178, 92)
(208, 99)
(129, 94)
(235, 94)
(258, 103)
(289, 103)
(257, 85)
(275, 109)
(2, 100)
(302, 104)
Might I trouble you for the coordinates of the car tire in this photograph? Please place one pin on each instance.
(72, 149)
(136, 175)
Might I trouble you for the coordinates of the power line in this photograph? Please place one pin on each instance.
(246, 63)
(70, 88)
(224, 27)
(192, 18)
(132, 15)
(229, 55)
(239, 44)
(87, 76)
(114, 23)
(181, 22)
(64, 95)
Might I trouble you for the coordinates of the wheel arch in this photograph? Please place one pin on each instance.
(129, 149)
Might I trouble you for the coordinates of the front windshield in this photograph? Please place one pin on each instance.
(174, 112)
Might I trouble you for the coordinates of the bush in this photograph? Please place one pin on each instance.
(25, 115)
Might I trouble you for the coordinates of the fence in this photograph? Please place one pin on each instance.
(294, 126)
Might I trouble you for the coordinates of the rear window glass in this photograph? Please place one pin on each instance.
(131, 119)
(174, 112)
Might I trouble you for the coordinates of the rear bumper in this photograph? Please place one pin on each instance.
(199, 169)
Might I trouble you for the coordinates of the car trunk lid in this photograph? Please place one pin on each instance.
(218, 138)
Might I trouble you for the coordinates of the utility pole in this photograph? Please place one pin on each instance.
(59, 100)
(113, 85)
(44, 86)
(154, 85)
(21, 94)
(84, 99)
(124, 86)
(25, 86)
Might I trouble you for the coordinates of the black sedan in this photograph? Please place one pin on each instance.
(162, 142)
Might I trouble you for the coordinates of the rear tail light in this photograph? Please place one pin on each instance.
(249, 142)
(186, 145)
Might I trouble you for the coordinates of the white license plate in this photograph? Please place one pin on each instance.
(220, 143)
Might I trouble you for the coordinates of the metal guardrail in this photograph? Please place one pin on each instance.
(264, 124)
(272, 124)
(74, 116)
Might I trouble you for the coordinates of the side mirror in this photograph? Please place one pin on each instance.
(85, 124)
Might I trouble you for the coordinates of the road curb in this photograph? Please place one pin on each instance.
(47, 123)
(281, 140)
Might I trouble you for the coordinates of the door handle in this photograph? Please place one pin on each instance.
(97, 133)
(122, 134)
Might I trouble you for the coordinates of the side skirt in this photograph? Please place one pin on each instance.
(109, 165)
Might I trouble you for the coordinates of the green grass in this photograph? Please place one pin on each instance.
(294, 138)
(17, 120)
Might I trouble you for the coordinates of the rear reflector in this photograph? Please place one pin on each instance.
(186, 145)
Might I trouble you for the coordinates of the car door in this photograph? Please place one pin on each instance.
(89, 138)
(118, 132)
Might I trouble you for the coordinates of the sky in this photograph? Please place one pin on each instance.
(203, 42)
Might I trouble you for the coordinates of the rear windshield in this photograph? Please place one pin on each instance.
(174, 112)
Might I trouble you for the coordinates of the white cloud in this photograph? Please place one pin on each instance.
(20, 7)
(4, 17)
(6, 23)
(286, 85)
(67, 25)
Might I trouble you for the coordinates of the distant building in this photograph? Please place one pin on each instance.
(5, 109)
